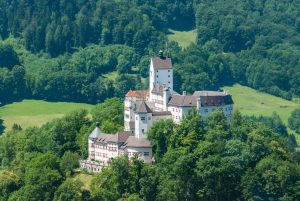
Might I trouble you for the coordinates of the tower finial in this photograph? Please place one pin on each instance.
(161, 54)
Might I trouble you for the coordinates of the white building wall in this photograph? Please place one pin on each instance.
(178, 113)
(160, 77)
(129, 105)
(143, 153)
(227, 109)
(142, 122)
(101, 152)
(158, 102)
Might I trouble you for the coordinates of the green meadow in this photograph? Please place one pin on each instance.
(183, 38)
(36, 112)
(252, 102)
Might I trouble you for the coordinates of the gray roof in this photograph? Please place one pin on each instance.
(163, 113)
(207, 99)
(137, 142)
(95, 133)
(210, 93)
(183, 101)
(213, 98)
(119, 137)
(161, 63)
(143, 108)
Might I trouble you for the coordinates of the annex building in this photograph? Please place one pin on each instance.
(142, 108)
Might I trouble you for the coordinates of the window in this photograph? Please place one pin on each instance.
(146, 154)
(168, 70)
(142, 118)
(127, 116)
(169, 82)
(168, 75)
(149, 118)
(157, 76)
(205, 110)
(143, 131)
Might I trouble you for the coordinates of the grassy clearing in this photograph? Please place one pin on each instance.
(111, 76)
(252, 102)
(183, 38)
(36, 112)
(85, 178)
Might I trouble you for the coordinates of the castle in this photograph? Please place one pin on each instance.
(142, 108)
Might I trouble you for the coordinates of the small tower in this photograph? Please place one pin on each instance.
(92, 138)
(143, 120)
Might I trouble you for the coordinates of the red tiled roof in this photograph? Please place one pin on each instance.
(139, 94)
(161, 63)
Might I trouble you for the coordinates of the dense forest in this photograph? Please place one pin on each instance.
(201, 159)
(62, 50)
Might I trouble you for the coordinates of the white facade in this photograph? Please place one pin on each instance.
(143, 122)
(144, 153)
(227, 109)
(159, 77)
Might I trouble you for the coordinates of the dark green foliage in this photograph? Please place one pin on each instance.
(110, 115)
(200, 159)
(9, 183)
(207, 159)
(1, 126)
(16, 127)
(273, 122)
(259, 39)
(69, 162)
(8, 56)
(69, 190)
(294, 121)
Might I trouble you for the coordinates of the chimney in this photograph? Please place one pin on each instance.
(198, 104)
(165, 99)
(184, 93)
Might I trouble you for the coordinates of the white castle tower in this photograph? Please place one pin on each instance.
(161, 77)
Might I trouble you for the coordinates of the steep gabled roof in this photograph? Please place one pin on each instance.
(161, 63)
(95, 133)
(143, 108)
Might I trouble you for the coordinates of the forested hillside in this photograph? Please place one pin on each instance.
(74, 43)
(200, 159)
